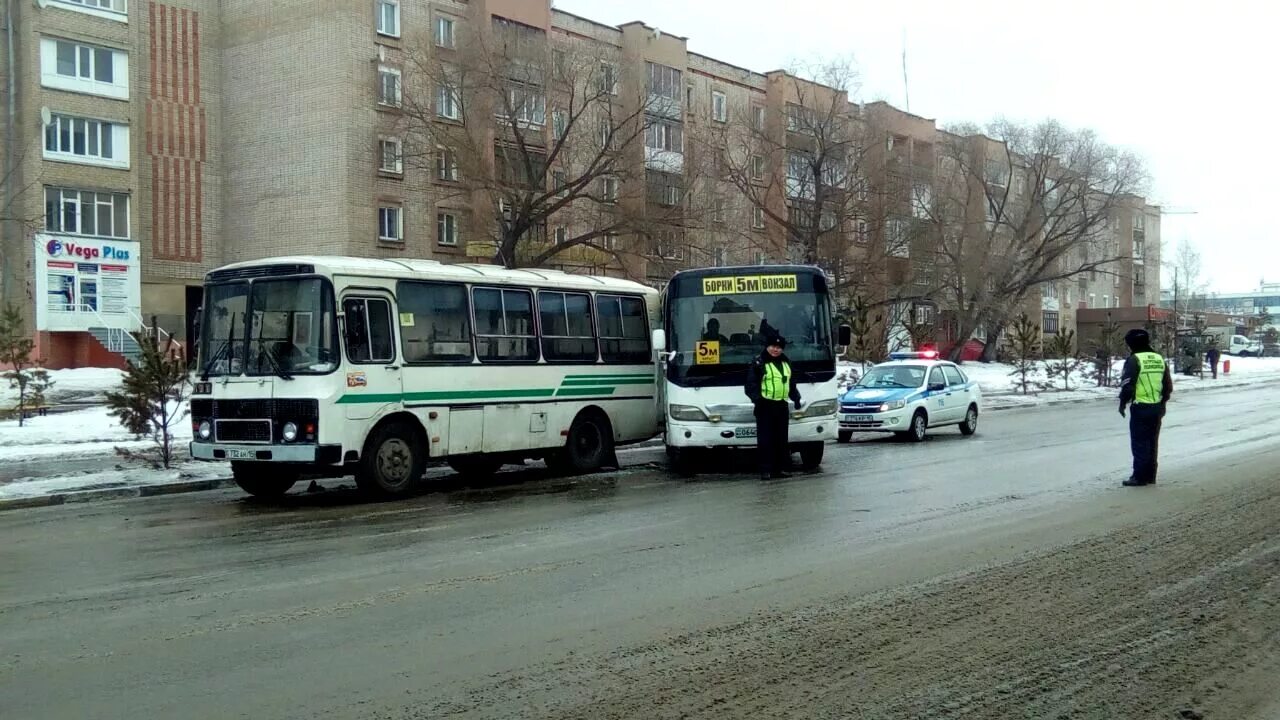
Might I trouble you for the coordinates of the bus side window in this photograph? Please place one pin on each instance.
(357, 330)
(624, 329)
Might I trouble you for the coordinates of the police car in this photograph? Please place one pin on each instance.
(908, 395)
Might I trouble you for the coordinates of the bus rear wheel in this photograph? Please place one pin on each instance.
(589, 445)
(263, 479)
(394, 460)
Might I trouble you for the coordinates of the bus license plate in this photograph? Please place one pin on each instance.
(744, 432)
(240, 454)
(857, 418)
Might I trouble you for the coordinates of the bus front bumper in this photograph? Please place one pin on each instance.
(310, 454)
(708, 434)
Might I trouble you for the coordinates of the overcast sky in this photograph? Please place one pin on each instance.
(1189, 85)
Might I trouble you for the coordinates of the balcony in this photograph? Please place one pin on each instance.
(666, 161)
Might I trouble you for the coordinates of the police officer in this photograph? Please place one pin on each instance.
(770, 384)
(1145, 387)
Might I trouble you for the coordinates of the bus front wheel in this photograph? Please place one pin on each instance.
(811, 455)
(394, 460)
(263, 479)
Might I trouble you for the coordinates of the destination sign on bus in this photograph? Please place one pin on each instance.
(749, 284)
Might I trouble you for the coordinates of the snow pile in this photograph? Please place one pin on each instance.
(92, 431)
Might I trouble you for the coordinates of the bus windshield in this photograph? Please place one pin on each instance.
(715, 334)
(280, 327)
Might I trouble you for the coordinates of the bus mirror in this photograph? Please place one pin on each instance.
(660, 340)
(845, 336)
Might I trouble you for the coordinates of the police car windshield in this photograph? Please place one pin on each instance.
(897, 376)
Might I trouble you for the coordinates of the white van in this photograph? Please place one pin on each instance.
(1243, 347)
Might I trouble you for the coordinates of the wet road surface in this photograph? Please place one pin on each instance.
(1005, 575)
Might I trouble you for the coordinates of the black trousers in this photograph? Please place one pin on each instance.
(1144, 439)
(1214, 365)
(773, 445)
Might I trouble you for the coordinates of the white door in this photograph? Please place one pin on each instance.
(939, 402)
(960, 397)
(373, 366)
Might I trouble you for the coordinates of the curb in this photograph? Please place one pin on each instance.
(82, 496)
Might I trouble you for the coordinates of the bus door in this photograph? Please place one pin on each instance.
(373, 366)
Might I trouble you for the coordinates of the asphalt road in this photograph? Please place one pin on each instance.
(1004, 575)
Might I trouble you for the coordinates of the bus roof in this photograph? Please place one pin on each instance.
(465, 272)
(752, 269)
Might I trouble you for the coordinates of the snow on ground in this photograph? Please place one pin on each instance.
(89, 431)
(122, 476)
(997, 381)
(79, 385)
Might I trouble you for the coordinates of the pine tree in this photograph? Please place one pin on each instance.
(1065, 362)
(150, 402)
(1024, 344)
(863, 328)
(24, 374)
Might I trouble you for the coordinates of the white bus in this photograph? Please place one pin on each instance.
(716, 322)
(338, 365)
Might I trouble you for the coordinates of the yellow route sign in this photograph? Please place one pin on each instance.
(749, 284)
(709, 352)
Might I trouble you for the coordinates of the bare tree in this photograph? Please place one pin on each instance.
(540, 133)
(802, 172)
(1189, 284)
(1016, 208)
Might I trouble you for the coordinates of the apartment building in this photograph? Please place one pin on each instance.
(153, 140)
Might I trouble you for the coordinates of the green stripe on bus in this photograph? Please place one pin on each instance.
(446, 395)
(581, 391)
(610, 381)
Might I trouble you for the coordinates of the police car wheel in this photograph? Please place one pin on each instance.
(970, 424)
(919, 428)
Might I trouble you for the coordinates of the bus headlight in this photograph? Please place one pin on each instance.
(687, 413)
(289, 432)
(205, 431)
(822, 408)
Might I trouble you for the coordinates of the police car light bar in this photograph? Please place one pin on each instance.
(922, 355)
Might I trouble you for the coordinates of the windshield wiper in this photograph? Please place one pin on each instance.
(222, 350)
(270, 354)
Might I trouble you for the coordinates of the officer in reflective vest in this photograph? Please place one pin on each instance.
(770, 384)
(1145, 387)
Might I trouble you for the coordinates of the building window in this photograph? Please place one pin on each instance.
(559, 182)
(86, 69)
(447, 229)
(1139, 247)
(668, 136)
(718, 257)
(444, 32)
(1139, 276)
(389, 18)
(559, 124)
(92, 142)
(448, 102)
(719, 106)
(609, 189)
(608, 78)
(664, 82)
(446, 164)
(560, 235)
(504, 325)
(924, 314)
(529, 108)
(388, 86)
(757, 117)
(390, 156)
(391, 223)
(688, 96)
(611, 241)
(113, 9)
(1049, 322)
(861, 231)
(757, 218)
(898, 238)
(758, 257)
(568, 334)
(86, 213)
(1115, 301)
(717, 210)
(757, 167)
